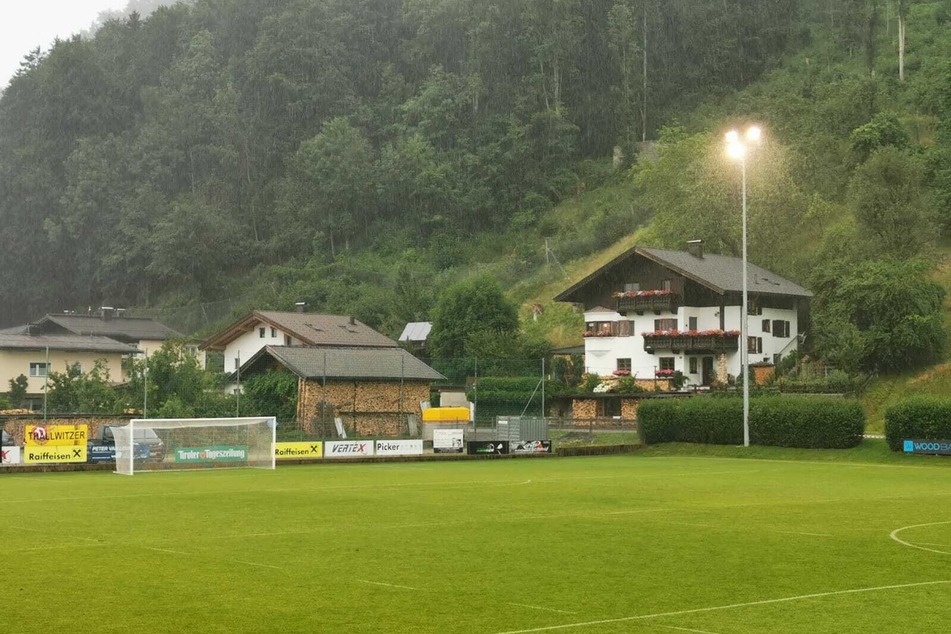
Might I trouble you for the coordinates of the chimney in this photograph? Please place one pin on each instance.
(695, 248)
(299, 307)
(106, 312)
(353, 320)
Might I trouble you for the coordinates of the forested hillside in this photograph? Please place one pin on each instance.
(361, 155)
(350, 153)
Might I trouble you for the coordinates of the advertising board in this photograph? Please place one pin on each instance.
(495, 447)
(298, 450)
(399, 447)
(934, 447)
(50, 454)
(348, 448)
(530, 446)
(448, 441)
(107, 453)
(217, 453)
(10, 456)
(58, 435)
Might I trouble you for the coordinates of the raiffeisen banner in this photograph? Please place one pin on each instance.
(298, 450)
(49, 454)
(60, 435)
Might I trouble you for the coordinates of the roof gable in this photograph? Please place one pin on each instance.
(309, 328)
(348, 363)
(126, 329)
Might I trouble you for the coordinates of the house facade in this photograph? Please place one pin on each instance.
(35, 356)
(652, 312)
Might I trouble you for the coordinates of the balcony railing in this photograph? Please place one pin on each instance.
(641, 303)
(697, 344)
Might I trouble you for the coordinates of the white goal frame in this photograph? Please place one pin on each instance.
(125, 443)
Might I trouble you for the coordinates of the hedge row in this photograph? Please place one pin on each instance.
(918, 418)
(782, 421)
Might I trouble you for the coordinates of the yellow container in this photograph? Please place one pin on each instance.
(446, 415)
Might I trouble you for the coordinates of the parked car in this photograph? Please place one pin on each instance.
(146, 444)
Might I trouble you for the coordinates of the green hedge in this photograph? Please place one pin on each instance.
(918, 418)
(782, 421)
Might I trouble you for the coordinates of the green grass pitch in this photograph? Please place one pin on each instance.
(634, 543)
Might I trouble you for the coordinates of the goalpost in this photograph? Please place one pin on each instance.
(152, 444)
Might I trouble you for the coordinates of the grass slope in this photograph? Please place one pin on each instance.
(635, 543)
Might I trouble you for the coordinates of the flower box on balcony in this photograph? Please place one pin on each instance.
(641, 301)
(696, 342)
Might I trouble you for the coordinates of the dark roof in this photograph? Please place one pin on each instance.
(349, 363)
(127, 329)
(78, 343)
(309, 328)
(720, 273)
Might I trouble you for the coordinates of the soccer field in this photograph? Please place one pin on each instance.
(629, 543)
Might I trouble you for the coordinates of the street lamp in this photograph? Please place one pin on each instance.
(737, 147)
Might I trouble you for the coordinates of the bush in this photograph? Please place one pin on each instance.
(775, 420)
(918, 418)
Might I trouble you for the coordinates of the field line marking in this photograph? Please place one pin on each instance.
(164, 550)
(251, 563)
(894, 536)
(815, 595)
(686, 629)
(388, 585)
(935, 544)
(538, 607)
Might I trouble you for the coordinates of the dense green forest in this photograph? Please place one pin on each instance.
(362, 155)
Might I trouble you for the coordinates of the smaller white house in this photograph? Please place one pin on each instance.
(652, 312)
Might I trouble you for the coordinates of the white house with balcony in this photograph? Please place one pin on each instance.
(652, 312)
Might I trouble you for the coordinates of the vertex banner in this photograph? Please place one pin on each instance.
(51, 454)
(10, 455)
(297, 450)
(348, 448)
(59, 435)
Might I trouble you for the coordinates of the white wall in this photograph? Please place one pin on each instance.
(248, 344)
(13, 363)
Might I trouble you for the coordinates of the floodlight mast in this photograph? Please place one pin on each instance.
(737, 148)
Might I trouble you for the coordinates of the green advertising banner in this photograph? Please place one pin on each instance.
(211, 454)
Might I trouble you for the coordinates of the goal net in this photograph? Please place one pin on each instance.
(153, 444)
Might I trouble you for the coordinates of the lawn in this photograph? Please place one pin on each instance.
(666, 539)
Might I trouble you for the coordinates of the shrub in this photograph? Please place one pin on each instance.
(776, 420)
(918, 418)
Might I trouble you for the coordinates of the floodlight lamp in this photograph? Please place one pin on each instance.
(732, 137)
(754, 134)
(736, 150)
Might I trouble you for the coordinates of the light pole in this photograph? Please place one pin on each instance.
(737, 148)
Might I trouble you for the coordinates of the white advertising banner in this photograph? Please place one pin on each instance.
(399, 447)
(9, 456)
(448, 440)
(348, 448)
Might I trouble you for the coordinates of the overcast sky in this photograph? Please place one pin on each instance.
(26, 24)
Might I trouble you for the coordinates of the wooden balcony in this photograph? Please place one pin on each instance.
(640, 304)
(703, 344)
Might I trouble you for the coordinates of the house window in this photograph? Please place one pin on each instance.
(665, 285)
(693, 365)
(39, 369)
(753, 308)
(754, 345)
(624, 328)
(632, 286)
(780, 328)
(261, 332)
(599, 328)
(665, 324)
(624, 364)
(666, 363)
(765, 325)
(691, 323)
(287, 340)
(273, 333)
